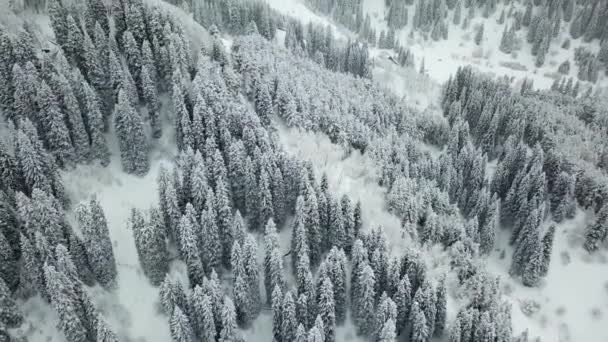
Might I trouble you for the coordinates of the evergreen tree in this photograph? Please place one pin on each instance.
(171, 296)
(97, 242)
(188, 226)
(151, 247)
(74, 120)
(252, 272)
(387, 332)
(181, 330)
(65, 302)
(288, 318)
(229, 332)
(55, 129)
(441, 311)
(31, 276)
(59, 16)
(210, 238)
(327, 311)
(10, 316)
(403, 300)
(363, 305)
(131, 137)
(547, 248)
(8, 260)
(73, 45)
(420, 330)
(202, 315)
(148, 86)
(104, 333)
(276, 299)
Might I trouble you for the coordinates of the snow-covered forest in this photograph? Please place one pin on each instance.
(316, 171)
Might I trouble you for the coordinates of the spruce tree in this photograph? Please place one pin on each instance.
(104, 333)
(327, 311)
(149, 92)
(188, 227)
(65, 302)
(55, 129)
(403, 300)
(441, 311)
(210, 239)
(171, 295)
(97, 242)
(181, 330)
(420, 330)
(202, 315)
(10, 316)
(288, 318)
(151, 247)
(95, 126)
(131, 137)
(276, 299)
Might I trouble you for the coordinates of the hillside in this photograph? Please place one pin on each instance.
(254, 171)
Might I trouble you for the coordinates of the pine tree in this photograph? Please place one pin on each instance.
(188, 226)
(55, 129)
(31, 278)
(202, 315)
(224, 219)
(315, 335)
(59, 23)
(547, 243)
(288, 318)
(104, 333)
(252, 272)
(151, 247)
(73, 44)
(65, 302)
(276, 298)
(420, 330)
(403, 300)
(210, 238)
(181, 330)
(74, 119)
(97, 242)
(387, 332)
(363, 303)
(171, 296)
(302, 310)
(131, 137)
(386, 310)
(10, 316)
(95, 124)
(327, 311)
(441, 311)
(8, 261)
(148, 86)
(132, 54)
(358, 220)
(273, 263)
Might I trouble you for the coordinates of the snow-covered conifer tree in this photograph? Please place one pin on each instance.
(131, 137)
(97, 241)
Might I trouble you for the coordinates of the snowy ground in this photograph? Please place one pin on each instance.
(573, 297)
(442, 58)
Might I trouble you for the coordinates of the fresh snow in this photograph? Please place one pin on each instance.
(572, 297)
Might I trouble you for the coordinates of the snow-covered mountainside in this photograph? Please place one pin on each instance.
(303, 171)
